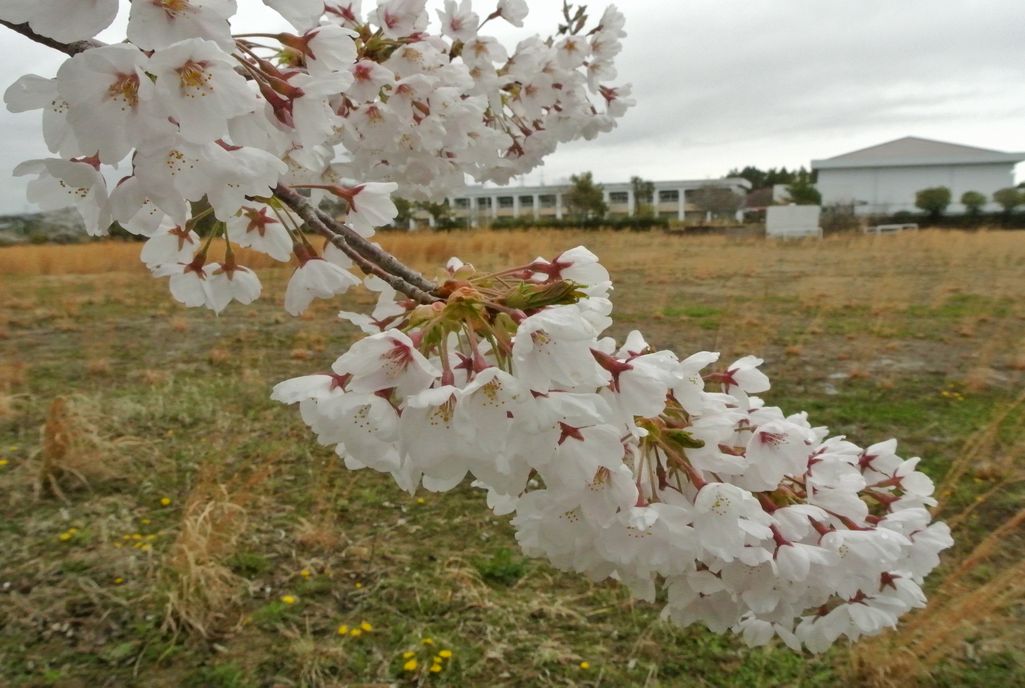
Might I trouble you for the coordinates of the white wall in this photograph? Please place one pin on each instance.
(892, 189)
(792, 220)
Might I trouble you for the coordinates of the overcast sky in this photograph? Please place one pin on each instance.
(726, 83)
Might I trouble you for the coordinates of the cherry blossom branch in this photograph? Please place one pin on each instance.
(68, 48)
(313, 219)
(366, 249)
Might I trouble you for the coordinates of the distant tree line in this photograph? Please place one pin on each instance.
(761, 179)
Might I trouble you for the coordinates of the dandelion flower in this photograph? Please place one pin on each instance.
(445, 654)
(356, 632)
(3, 462)
(343, 629)
(365, 625)
(119, 580)
(165, 501)
(289, 599)
(64, 537)
(411, 665)
(358, 585)
(408, 654)
(305, 573)
(427, 641)
(421, 501)
(585, 665)
(435, 668)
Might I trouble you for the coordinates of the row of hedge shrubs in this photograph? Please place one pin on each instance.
(636, 223)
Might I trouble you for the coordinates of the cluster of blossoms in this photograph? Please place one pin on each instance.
(618, 461)
(614, 460)
(199, 128)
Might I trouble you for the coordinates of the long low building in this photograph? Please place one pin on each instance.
(883, 179)
(479, 205)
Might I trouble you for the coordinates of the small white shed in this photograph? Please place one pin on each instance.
(789, 221)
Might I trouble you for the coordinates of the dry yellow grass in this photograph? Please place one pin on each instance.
(869, 334)
(705, 257)
(202, 591)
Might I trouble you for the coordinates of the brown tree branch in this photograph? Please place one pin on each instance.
(311, 217)
(377, 254)
(367, 249)
(68, 48)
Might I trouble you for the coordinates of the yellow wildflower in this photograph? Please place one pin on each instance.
(64, 537)
(165, 501)
(343, 629)
(585, 665)
(427, 641)
(365, 625)
(411, 665)
(445, 654)
(435, 668)
(408, 654)
(119, 580)
(289, 599)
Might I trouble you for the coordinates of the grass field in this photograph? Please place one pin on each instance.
(162, 523)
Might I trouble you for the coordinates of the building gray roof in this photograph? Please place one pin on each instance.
(915, 151)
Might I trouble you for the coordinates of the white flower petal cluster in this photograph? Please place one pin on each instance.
(187, 117)
(629, 463)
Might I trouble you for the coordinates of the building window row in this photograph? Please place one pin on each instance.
(619, 197)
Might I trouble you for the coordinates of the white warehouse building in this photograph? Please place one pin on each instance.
(883, 179)
(477, 205)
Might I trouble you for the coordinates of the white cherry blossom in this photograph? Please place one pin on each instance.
(157, 24)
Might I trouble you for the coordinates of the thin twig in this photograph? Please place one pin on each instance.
(311, 217)
(376, 254)
(72, 49)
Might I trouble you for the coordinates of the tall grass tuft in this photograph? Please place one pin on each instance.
(979, 596)
(73, 448)
(203, 593)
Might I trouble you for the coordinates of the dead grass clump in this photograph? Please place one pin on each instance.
(179, 324)
(218, 356)
(7, 407)
(12, 374)
(300, 354)
(72, 446)
(320, 535)
(317, 663)
(203, 593)
(154, 377)
(98, 367)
